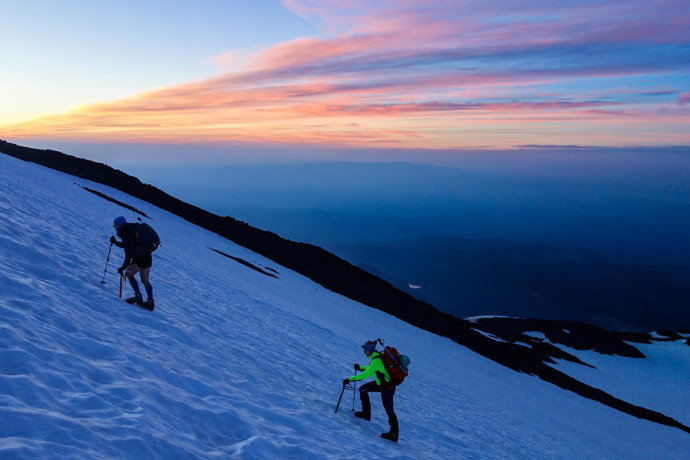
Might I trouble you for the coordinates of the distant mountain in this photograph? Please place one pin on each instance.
(493, 339)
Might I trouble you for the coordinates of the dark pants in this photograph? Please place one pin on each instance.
(387, 394)
(142, 258)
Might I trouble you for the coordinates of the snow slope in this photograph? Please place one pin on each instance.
(666, 370)
(234, 363)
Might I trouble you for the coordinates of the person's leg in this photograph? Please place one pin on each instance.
(132, 270)
(364, 391)
(387, 400)
(144, 273)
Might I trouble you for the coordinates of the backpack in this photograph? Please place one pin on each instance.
(395, 363)
(146, 237)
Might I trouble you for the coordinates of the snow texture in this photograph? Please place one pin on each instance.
(237, 364)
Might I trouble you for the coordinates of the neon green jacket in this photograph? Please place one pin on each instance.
(375, 368)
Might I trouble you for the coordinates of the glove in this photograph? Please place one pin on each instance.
(346, 381)
(112, 240)
(357, 367)
(121, 269)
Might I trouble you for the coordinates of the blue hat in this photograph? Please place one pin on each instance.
(369, 347)
(120, 221)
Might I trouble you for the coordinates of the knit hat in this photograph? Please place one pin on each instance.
(120, 221)
(369, 347)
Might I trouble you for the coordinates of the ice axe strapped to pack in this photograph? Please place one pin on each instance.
(395, 363)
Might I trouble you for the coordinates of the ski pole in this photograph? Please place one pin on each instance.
(106, 263)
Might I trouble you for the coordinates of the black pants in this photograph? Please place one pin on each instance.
(387, 394)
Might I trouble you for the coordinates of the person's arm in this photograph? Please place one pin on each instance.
(375, 364)
(367, 371)
(127, 245)
(115, 242)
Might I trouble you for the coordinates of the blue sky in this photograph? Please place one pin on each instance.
(65, 54)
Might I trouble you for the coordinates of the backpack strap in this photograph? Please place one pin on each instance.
(382, 378)
(380, 375)
(136, 233)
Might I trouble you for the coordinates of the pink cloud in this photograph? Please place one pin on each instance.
(684, 99)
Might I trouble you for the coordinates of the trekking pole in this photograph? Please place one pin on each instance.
(122, 276)
(341, 397)
(354, 392)
(106, 263)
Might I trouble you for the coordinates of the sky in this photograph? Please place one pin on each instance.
(396, 74)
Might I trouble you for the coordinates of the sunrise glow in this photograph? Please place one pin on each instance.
(409, 74)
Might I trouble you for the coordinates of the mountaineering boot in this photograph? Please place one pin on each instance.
(391, 436)
(149, 304)
(365, 415)
(136, 299)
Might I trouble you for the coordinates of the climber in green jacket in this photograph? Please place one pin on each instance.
(380, 384)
